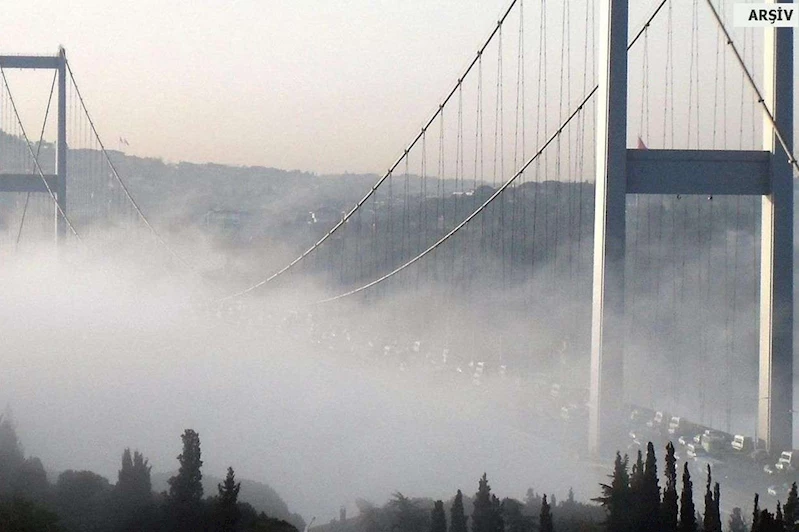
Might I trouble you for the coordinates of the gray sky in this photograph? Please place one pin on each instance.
(310, 84)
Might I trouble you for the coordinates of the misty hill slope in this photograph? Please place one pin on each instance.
(261, 496)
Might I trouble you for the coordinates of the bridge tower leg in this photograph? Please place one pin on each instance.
(620, 171)
(775, 390)
(61, 150)
(607, 342)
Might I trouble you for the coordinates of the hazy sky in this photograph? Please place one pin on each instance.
(311, 84)
(308, 84)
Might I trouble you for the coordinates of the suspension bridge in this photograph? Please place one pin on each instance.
(672, 260)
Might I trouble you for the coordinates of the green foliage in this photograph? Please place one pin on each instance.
(438, 518)
(83, 501)
(457, 520)
(30, 480)
(616, 497)
(134, 485)
(650, 493)
(227, 509)
(515, 519)
(482, 514)
(767, 522)
(11, 455)
(756, 514)
(545, 521)
(712, 518)
(407, 514)
(687, 509)
(497, 523)
(669, 506)
(791, 509)
(637, 492)
(186, 489)
(736, 522)
(20, 515)
(252, 521)
(262, 497)
(532, 503)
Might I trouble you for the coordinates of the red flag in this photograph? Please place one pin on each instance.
(641, 145)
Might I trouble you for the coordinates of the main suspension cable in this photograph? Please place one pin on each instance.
(385, 176)
(119, 180)
(780, 138)
(501, 189)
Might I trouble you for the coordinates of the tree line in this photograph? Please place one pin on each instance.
(632, 501)
(635, 502)
(82, 501)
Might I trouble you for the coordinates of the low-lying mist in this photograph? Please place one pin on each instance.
(100, 354)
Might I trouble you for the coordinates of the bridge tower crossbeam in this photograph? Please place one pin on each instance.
(35, 183)
(621, 171)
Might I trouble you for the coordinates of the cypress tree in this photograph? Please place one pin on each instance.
(185, 488)
(637, 492)
(142, 484)
(514, 519)
(616, 497)
(532, 502)
(736, 523)
(133, 490)
(497, 519)
(766, 522)
(438, 518)
(709, 523)
(637, 476)
(227, 502)
(687, 509)
(779, 522)
(482, 512)
(756, 514)
(545, 519)
(790, 509)
(457, 517)
(717, 507)
(126, 473)
(650, 497)
(669, 506)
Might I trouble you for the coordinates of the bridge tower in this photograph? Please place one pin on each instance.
(57, 182)
(621, 171)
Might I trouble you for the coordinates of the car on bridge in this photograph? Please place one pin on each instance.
(681, 427)
(787, 462)
(715, 443)
(780, 491)
(694, 451)
(658, 423)
(742, 444)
